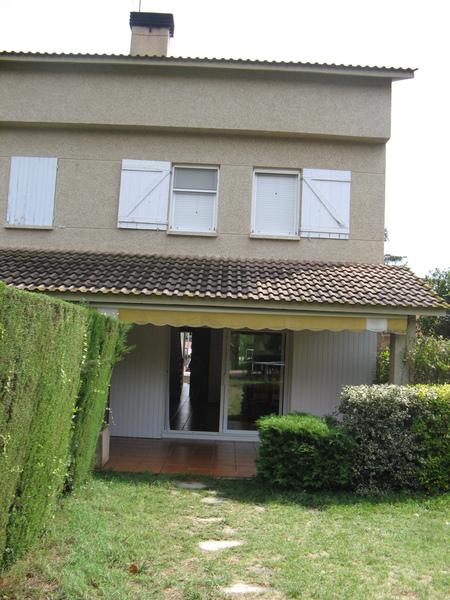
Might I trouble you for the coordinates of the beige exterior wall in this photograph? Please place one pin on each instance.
(88, 183)
(164, 97)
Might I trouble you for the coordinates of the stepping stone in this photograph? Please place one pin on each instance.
(213, 500)
(215, 545)
(244, 588)
(229, 530)
(209, 519)
(192, 485)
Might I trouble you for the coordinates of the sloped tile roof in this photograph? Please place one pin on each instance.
(373, 285)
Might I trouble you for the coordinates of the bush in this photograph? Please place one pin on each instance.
(43, 344)
(104, 342)
(40, 355)
(383, 362)
(400, 434)
(432, 426)
(431, 358)
(303, 451)
(379, 418)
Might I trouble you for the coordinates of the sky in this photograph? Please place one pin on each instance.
(406, 33)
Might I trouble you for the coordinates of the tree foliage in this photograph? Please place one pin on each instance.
(439, 281)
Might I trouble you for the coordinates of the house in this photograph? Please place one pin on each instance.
(231, 210)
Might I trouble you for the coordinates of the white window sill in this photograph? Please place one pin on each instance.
(192, 233)
(261, 236)
(37, 227)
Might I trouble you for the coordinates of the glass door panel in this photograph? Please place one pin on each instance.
(256, 374)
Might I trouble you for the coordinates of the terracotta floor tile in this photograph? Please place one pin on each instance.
(220, 458)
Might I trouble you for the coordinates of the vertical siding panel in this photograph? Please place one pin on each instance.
(139, 384)
(325, 361)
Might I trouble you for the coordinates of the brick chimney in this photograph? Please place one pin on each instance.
(150, 33)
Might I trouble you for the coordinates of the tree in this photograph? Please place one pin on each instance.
(439, 281)
(393, 259)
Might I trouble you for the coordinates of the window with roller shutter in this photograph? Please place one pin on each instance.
(194, 200)
(276, 200)
(325, 203)
(31, 196)
(144, 194)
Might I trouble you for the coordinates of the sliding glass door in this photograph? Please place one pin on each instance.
(255, 378)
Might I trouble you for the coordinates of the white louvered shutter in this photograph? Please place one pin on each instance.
(144, 194)
(31, 196)
(326, 203)
(275, 210)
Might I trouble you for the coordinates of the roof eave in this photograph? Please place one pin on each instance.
(391, 73)
(118, 300)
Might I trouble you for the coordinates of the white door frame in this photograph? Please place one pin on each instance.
(224, 433)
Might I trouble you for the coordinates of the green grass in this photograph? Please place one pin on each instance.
(299, 545)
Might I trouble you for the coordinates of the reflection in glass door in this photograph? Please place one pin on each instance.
(255, 385)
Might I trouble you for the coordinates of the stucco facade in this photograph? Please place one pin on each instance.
(88, 181)
(91, 113)
(164, 95)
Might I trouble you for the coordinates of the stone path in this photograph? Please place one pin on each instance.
(244, 588)
(192, 485)
(239, 588)
(215, 545)
(213, 500)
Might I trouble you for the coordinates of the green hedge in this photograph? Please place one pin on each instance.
(303, 451)
(389, 438)
(105, 343)
(43, 345)
(401, 436)
(432, 427)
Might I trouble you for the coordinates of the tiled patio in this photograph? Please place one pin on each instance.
(219, 458)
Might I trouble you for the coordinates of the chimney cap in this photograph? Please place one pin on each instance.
(148, 19)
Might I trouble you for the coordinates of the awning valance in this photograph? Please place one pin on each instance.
(275, 321)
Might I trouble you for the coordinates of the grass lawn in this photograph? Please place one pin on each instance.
(295, 544)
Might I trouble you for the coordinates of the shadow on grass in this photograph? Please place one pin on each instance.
(255, 491)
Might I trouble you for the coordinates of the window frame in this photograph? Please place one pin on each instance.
(281, 236)
(215, 199)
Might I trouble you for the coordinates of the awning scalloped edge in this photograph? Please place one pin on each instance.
(257, 321)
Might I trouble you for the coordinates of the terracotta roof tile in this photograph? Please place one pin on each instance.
(218, 278)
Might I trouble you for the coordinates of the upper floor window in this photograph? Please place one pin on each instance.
(31, 196)
(308, 203)
(276, 202)
(145, 190)
(194, 199)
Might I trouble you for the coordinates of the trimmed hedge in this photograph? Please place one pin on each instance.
(105, 343)
(43, 345)
(303, 451)
(390, 438)
(432, 427)
(401, 436)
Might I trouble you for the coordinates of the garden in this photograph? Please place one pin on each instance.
(352, 505)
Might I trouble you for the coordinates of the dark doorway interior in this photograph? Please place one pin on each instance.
(195, 379)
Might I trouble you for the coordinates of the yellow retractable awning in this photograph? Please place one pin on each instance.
(275, 321)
